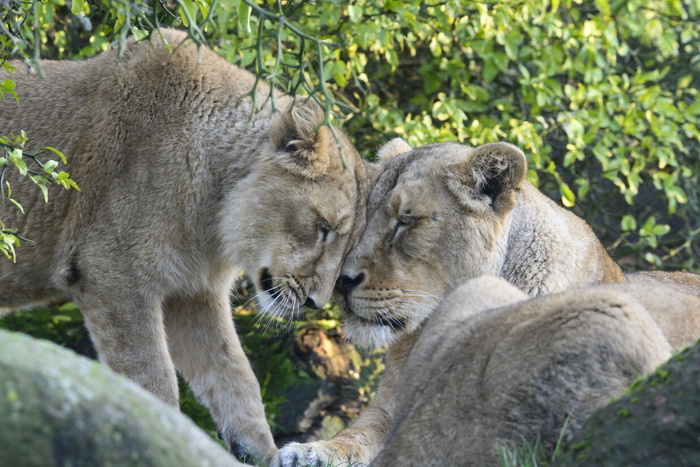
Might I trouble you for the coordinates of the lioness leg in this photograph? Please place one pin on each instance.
(206, 350)
(129, 336)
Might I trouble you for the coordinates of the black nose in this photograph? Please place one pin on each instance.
(346, 283)
(309, 303)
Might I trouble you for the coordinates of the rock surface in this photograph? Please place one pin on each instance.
(656, 422)
(60, 409)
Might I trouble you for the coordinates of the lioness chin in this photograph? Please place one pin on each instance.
(184, 182)
(437, 216)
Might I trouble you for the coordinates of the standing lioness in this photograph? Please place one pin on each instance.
(183, 184)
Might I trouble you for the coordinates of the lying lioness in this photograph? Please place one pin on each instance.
(183, 183)
(492, 369)
(439, 215)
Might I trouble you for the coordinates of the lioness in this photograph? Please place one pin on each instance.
(490, 369)
(437, 216)
(183, 183)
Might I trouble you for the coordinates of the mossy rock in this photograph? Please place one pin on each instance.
(60, 409)
(655, 423)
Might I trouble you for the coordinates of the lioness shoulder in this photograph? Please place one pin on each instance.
(185, 180)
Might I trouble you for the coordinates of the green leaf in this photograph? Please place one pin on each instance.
(648, 226)
(512, 43)
(44, 191)
(8, 86)
(244, 11)
(16, 158)
(355, 13)
(501, 61)
(188, 9)
(568, 198)
(660, 230)
(603, 7)
(685, 81)
(431, 83)
(652, 258)
(694, 109)
(628, 223)
(19, 206)
(489, 71)
(50, 166)
(77, 6)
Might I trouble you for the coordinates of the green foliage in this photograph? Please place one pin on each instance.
(602, 96)
(29, 165)
(531, 454)
(61, 325)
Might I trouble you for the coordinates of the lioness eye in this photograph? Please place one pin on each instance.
(324, 227)
(403, 221)
(407, 220)
(291, 147)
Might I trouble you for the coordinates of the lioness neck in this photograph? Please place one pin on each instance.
(551, 249)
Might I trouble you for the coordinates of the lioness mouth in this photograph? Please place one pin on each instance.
(266, 281)
(384, 320)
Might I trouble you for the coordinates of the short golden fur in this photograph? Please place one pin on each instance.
(491, 368)
(437, 216)
(183, 184)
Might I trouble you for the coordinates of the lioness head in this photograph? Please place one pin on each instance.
(435, 218)
(295, 217)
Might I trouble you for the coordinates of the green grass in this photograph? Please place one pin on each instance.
(529, 454)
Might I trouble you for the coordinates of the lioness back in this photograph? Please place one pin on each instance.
(493, 369)
(183, 184)
(683, 281)
(135, 131)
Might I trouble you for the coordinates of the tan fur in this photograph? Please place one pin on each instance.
(682, 281)
(183, 184)
(439, 215)
(491, 370)
(444, 213)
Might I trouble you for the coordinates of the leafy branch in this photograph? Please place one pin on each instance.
(13, 157)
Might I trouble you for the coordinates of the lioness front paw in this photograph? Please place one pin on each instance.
(320, 454)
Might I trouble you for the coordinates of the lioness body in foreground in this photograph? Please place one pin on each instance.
(439, 215)
(183, 184)
(491, 368)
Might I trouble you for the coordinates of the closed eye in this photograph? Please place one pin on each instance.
(402, 223)
(324, 227)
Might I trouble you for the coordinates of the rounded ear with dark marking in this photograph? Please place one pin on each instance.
(489, 177)
(300, 133)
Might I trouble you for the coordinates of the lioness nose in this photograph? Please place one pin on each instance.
(346, 283)
(311, 304)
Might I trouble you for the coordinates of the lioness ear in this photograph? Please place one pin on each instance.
(393, 148)
(489, 178)
(300, 133)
